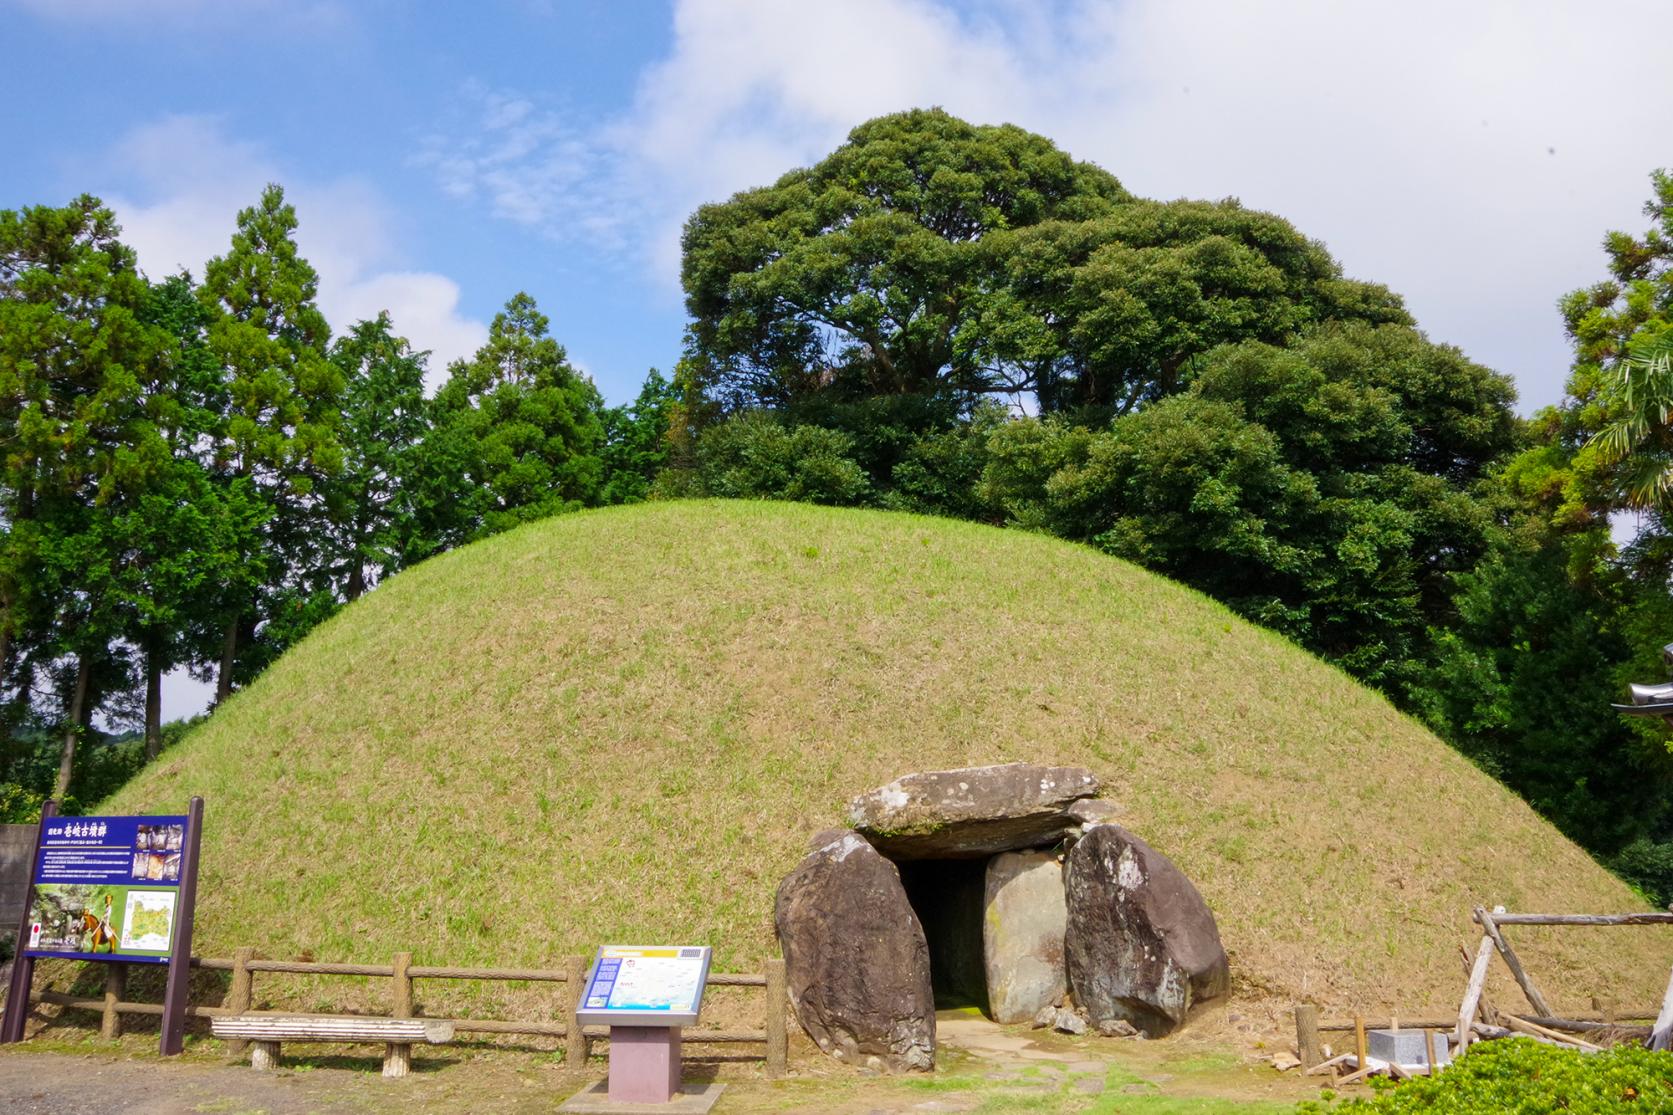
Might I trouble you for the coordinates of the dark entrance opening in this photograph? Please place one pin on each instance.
(947, 896)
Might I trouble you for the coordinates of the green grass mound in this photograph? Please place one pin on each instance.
(624, 725)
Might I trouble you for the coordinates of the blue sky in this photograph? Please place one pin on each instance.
(442, 157)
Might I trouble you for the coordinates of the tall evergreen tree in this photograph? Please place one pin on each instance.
(370, 515)
(77, 359)
(518, 434)
(279, 438)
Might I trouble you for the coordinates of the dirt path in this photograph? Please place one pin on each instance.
(983, 1067)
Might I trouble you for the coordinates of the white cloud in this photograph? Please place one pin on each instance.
(195, 178)
(1470, 156)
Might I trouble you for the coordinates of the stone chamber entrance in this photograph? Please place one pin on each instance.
(947, 896)
(1006, 888)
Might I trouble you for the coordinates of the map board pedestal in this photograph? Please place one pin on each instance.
(644, 1064)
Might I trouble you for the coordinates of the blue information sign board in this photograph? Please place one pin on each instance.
(107, 888)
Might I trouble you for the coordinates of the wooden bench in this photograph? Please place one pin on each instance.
(266, 1031)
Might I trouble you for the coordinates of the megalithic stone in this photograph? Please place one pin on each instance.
(1023, 922)
(1141, 944)
(855, 959)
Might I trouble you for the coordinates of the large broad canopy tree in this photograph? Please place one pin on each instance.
(932, 257)
(863, 272)
(1323, 489)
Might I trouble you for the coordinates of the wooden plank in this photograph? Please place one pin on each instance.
(1472, 993)
(534, 975)
(1325, 1066)
(1522, 1027)
(1362, 1049)
(1377, 1024)
(434, 1031)
(778, 1000)
(1356, 1076)
(1584, 919)
(308, 968)
(1488, 921)
(1307, 1047)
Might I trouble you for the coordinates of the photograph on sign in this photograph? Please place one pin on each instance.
(646, 985)
(106, 888)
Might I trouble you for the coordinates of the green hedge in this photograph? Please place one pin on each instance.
(1522, 1077)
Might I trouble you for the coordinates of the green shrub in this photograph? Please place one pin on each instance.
(753, 456)
(1522, 1077)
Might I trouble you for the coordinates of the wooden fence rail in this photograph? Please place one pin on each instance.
(243, 964)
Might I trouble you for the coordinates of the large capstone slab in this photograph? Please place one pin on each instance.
(856, 963)
(1023, 922)
(971, 812)
(1141, 944)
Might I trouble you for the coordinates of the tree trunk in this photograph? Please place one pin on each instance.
(72, 726)
(229, 652)
(357, 581)
(153, 703)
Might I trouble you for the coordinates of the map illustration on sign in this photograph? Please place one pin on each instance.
(646, 985)
(106, 888)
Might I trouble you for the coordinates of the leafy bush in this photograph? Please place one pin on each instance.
(1648, 866)
(1522, 1077)
(753, 456)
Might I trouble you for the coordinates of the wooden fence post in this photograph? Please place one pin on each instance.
(397, 1056)
(1307, 1047)
(577, 1046)
(1535, 999)
(116, 982)
(239, 993)
(1472, 993)
(778, 1039)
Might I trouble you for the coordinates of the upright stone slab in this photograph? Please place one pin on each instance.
(972, 812)
(1023, 922)
(1141, 944)
(856, 964)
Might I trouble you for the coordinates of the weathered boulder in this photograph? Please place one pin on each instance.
(1141, 944)
(972, 812)
(1023, 920)
(855, 960)
(1093, 811)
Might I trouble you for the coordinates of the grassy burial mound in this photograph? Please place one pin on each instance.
(625, 724)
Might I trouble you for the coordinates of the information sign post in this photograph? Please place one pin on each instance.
(645, 994)
(119, 890)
